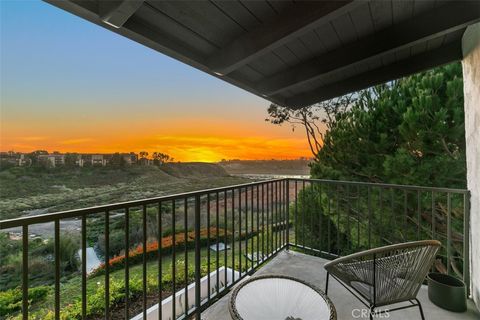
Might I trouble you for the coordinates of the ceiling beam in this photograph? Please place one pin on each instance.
(396, 70)
(435, 23)
(302, 17)
(116, 13)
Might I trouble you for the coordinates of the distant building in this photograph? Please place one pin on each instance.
(98, 160)
(53, 160)
(23, 161)
(56, 159)
(80, 161)
(9, 158)
(130, 158)
(145, 161)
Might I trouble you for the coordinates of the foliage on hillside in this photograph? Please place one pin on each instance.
(11, 300)
(55, 189)
(41, 255)
(42, 307)
(269, 167)
(136, 254)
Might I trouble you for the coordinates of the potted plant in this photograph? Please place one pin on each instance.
(447, 292)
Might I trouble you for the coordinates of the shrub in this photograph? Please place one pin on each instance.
(8, 246)
(69, 246)
(11, 300)
(96, 301)
(40, 260)
(313, 217)
(116, 243)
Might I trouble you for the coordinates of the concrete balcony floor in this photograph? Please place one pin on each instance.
(310, 268)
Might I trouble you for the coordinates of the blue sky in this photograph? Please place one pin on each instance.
(60, 70)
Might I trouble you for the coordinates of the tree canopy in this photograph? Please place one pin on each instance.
(410, 131)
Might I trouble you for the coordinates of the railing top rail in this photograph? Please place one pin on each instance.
(76, 213)
(386, 185)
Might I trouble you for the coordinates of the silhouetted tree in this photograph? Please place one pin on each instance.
(314, 119)
(160, 158)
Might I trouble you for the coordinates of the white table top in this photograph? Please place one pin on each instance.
(279, 298)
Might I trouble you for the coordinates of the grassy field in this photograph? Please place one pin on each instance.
(26, 189)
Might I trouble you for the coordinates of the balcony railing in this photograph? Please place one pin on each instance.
(255, 220)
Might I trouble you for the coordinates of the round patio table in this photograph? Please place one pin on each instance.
(273, 297)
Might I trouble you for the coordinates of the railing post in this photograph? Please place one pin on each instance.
(25, 272)
(84, 267)
(449, 233)
(466, 241)
(57, 268)
(197, 259)
(107, 265)
(287, 197)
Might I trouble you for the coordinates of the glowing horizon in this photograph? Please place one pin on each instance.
(68, 85)
(209, 143)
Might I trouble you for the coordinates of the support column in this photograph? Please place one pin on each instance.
(471, 88)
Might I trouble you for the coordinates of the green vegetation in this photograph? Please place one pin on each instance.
(136, 255)
(42, 305)
(62, 188)
(23, 189)
(41, 257)
(409, 131)
(267, 167)
(11, 300)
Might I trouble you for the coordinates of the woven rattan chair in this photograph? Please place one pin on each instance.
(385, 275)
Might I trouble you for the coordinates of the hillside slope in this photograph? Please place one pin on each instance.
(271, 167)
(194, 170)
(27, 190)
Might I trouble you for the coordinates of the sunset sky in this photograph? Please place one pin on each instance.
(69, 85)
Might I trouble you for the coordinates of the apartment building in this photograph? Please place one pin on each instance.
(53, 159)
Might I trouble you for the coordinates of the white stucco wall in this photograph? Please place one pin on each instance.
(471, 87)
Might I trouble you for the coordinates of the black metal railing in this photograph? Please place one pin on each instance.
(244, 218)
(251, 223)
(336, 218)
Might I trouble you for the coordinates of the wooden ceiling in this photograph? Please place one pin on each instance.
(292, 53)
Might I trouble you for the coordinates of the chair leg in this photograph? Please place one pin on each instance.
(421, 310)
(326, 284)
